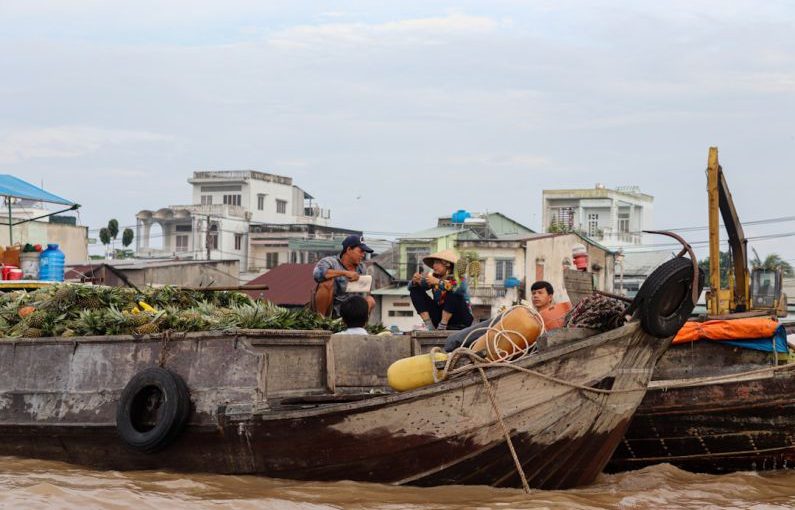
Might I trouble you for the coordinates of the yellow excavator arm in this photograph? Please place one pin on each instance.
(736, 298)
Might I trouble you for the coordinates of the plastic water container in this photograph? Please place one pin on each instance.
(29, 263)
(51, 264)
(460, 216)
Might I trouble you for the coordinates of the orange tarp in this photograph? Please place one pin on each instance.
(735, 329)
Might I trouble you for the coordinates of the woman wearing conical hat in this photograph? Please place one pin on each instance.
(448, 305)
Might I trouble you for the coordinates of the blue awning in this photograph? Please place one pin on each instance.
(11, 186)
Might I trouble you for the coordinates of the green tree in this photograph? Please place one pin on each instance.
(127, 237)
(772, 262)
(725, 267)
(559, 228)
(113, 228)
(104, 236)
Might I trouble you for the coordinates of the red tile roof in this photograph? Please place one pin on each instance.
(288, 285)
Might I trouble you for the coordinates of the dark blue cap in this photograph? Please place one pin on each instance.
(352, 241)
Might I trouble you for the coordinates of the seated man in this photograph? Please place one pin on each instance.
(354, 312)
(449, 307)
(552, 313)
(347, 266)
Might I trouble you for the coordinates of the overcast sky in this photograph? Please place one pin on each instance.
(392, 114)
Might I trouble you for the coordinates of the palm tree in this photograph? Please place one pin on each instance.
(772, 262)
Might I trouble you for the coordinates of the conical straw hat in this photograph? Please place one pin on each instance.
(445, 255)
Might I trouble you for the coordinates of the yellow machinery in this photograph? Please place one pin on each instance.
(759, 290)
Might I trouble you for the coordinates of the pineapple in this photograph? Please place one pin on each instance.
(37, 319)
(32, 333)
(147, 329)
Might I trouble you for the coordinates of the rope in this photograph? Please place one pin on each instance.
(505, 432)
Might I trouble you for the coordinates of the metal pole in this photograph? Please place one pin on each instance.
(10, 226)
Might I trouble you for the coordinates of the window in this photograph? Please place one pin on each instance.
(593, 224)
(623, 222)
(261, 202)
(271, 260)
(414, 258)
(401, 313)
(563, 216)
(504, 269)
(281, 206)
(238, 241)
(212, 237)
(232, 200)
(181, 242)
(183, 228)
(207, 200)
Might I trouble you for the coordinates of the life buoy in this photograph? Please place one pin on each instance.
(153, 409)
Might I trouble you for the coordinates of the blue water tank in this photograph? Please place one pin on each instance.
(511, 282)
(51, 264)
(460, 215)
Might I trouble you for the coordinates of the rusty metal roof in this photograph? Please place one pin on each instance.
(288, 285)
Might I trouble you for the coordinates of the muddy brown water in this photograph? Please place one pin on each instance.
(37, 484)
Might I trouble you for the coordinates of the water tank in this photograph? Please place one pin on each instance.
(51, 264)
(460, 215)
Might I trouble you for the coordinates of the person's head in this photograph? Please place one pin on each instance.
(354, 311)
(441, 267)
(541, 293)
(354, 248)
(441, 262)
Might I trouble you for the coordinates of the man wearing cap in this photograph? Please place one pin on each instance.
(448, 306)
(345, 267)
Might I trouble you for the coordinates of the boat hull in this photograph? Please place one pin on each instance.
(246, 422)
(735, 421)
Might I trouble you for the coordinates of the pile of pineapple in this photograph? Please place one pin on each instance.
(82, 310)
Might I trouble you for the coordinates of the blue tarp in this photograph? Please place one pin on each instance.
(11, 186)
(762, 344)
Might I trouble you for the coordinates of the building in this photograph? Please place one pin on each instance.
(226, 204)
(182, 273)
(274, 244)
(611, 217)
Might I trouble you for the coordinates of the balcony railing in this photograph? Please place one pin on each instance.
(487, 291)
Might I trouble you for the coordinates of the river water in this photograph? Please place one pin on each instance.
(37, 484)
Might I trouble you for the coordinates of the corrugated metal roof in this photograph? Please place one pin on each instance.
(288, 285)
(432, 233)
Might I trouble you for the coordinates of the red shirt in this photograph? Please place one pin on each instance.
(555, 315)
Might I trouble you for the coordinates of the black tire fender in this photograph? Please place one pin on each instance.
(153, 410)
(664, 301)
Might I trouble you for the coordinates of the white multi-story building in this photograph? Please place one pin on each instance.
(225, 205)
(613, 217)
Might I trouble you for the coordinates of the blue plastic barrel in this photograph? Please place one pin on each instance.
(460, 215)
(51, 264)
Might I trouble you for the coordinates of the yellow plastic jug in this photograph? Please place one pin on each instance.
(414, 372)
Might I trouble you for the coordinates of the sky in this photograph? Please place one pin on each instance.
(394, 113)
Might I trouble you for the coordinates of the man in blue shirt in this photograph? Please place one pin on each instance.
(345, 267)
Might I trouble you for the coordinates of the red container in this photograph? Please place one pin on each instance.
(4, 270)
(15, 273)
(581, 261)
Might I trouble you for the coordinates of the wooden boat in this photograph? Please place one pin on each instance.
(309, 406)
(714, 408)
